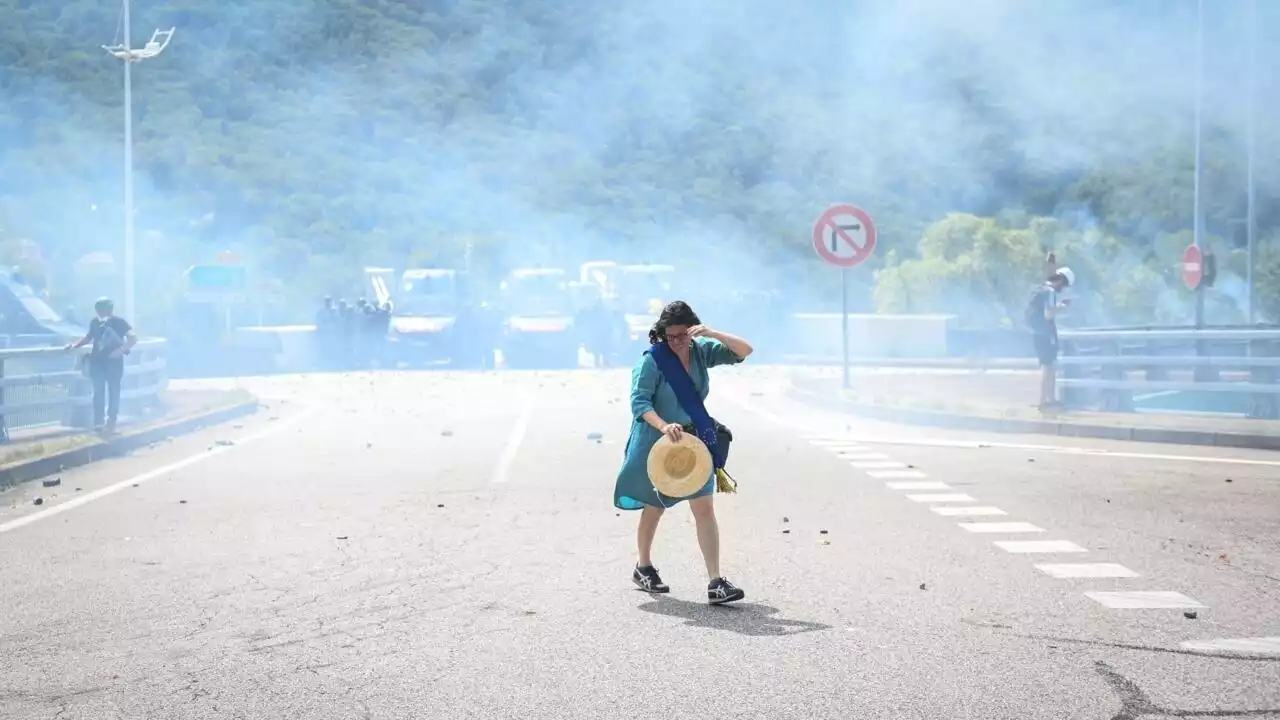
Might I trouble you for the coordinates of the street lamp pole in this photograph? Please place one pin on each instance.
(1197, 225)
(1250, 224)
(125, 52)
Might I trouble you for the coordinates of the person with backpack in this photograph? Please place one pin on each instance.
(112, 339)
(1041, 318)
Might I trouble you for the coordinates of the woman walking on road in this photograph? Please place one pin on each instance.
(668, 386)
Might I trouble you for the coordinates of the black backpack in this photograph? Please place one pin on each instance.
(1033, 315)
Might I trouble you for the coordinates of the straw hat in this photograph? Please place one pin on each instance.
(679, 469)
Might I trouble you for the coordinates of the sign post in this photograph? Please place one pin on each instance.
(844, 236)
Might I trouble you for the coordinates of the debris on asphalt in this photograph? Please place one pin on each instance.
(77, 489)
(786, 532)
(1230, 480)
(54, 482)
(273, 418)
(368, 445)
(447, 433)
(343, 537)
(822, 532)
(224, 443)
(38, 501)
(924, 586)
(182, 502)
(135, 484)
(594, 436)
(1191, 614)
(826, 542)
(440, 505)
(237, 426)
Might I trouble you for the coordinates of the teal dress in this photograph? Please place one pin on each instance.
(650, 392)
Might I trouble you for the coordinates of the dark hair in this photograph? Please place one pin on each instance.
(677, 312)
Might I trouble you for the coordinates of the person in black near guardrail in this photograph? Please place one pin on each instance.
(112, 337)
(1041, 317)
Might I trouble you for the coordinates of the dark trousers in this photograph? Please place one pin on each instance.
(106, 392)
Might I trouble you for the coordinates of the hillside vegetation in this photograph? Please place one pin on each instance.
(314, 137)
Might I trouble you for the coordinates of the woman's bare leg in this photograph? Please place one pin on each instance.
(704, 516)
(645, 532)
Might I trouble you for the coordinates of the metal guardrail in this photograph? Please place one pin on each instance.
(1106, 368)
(41, 387)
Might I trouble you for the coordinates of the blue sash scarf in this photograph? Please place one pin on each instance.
(687, 395)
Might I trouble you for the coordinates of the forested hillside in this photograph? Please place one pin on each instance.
(316, 136)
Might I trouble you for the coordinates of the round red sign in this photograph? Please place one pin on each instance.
(1192, 267)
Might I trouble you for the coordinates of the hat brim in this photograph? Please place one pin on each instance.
(679, 469)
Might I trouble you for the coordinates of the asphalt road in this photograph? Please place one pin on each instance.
(423, 545)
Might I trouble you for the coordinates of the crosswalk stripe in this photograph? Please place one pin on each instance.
(1144, 600)
(1001, 527)
(968, 511)
(861, 456)
(1248, 646)
(879, 465)
(1039, 546)
(945, 497)
(1086, 570)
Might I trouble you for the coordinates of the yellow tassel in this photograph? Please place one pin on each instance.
(725, 483)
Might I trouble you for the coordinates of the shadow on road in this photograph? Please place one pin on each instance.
(742, 618)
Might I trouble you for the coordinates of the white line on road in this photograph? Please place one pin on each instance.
(1086, 570)
(1001, 527)
(879, 465)
(512, 447)
(1248, 646)
(1062, 449)
(152, 474)
(968, 511)
(952, 497)
(1144, 600)
(917, 486)
(903, 474)
(1039, 546)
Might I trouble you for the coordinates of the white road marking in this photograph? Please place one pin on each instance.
(1086, 570)
(861, 456)
(968, 511)
(509, 451)
(953, 497)
(1059, 449)
(879, 465)
(1001, 527)
(887, 474)
(1039, 546)
(153, 474)
(1247, 646)
(917, 486)
(832, 442)
(1144, 600)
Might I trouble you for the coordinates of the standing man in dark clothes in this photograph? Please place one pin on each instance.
(112, 339)
(1041, 316)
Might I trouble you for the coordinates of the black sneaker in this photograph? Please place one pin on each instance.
(647, 579)
(722, 591)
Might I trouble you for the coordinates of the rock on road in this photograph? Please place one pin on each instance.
(438, 544)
